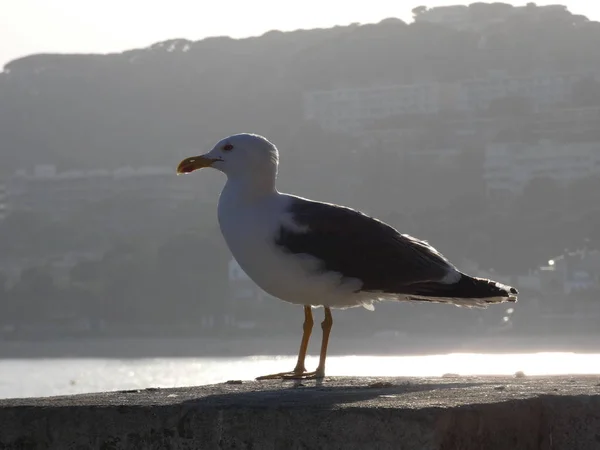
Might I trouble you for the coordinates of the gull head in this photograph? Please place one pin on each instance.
(236, 156)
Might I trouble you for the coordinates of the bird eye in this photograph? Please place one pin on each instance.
(228, 147)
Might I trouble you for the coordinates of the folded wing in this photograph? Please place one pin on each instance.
(358, 246)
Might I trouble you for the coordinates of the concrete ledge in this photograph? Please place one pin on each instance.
(339, 413)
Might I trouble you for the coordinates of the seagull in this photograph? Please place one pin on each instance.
(318, 254)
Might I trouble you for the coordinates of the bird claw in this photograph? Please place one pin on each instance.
(316, 375)
(293, 375)
(279, 376)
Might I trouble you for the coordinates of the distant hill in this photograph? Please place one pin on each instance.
(158, 103)
(156, 259)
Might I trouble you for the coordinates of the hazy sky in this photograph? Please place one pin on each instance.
(33, 26)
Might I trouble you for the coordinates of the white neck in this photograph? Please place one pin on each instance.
(248, 188)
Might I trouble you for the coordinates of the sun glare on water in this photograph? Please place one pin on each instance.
(438, 365)
(46, 377)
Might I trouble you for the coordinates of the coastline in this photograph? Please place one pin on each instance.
(287, 345)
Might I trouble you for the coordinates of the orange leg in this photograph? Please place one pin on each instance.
(300, 368)
(326, 327)
(320, 372)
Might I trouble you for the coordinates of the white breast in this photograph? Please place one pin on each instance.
(250, 230)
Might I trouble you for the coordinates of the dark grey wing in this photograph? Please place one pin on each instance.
(358, 246)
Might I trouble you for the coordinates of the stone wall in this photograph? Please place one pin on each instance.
(339, 413)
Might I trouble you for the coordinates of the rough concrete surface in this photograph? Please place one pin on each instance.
(483, 413)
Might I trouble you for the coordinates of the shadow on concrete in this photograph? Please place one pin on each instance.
(316, 394)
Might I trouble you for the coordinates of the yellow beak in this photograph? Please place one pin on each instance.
(192, 163)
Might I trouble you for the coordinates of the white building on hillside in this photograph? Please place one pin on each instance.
(509, 167)
(55, 194)
(544, 90)
(354, 108)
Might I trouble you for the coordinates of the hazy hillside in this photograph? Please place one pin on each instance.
(158, 257)
(152, 105)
